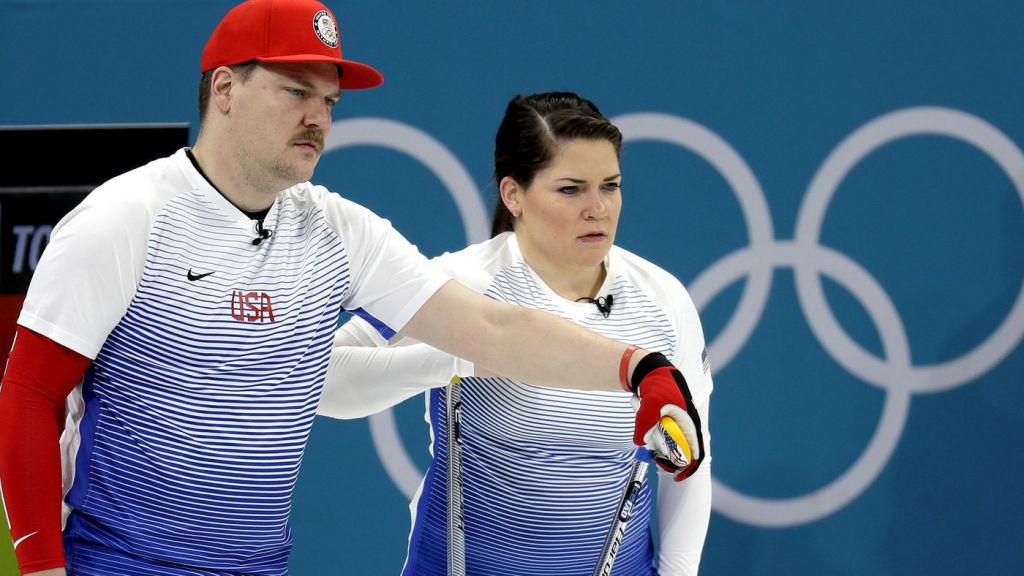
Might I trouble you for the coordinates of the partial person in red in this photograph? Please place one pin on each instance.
(184, 420)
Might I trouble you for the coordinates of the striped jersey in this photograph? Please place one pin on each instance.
(529, 476)
(183, 442)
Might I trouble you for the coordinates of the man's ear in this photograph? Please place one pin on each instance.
(222, 82)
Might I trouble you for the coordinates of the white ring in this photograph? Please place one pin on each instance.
(853, 481)
(429, 152)
(717, 152)
(439, 160)
(858, 145)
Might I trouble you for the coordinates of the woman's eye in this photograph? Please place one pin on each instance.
(612, 186)
(569, 189)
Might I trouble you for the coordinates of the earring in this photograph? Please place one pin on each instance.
(515, 214)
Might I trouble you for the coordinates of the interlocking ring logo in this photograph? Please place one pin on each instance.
(894, 372)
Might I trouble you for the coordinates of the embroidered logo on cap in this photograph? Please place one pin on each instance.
(325, 28)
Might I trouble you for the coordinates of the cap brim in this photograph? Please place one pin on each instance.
(354, 75)
(357, 76)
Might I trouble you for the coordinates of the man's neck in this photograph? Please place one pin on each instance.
(227, 178)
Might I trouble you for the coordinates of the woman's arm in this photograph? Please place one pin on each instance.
(366, 375)
(684, 511)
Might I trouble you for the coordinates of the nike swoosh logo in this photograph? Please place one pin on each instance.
(23, 538)
(193, 277)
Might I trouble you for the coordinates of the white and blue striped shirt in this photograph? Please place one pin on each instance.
(183, 442)
(542, 469)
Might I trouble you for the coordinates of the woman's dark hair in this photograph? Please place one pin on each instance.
(530, 133)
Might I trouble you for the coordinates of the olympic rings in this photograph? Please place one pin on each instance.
(875, 134)
(894, 373)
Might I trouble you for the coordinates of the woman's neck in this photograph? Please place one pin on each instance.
(569, 282)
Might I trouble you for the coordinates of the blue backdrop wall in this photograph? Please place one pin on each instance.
(838, 183)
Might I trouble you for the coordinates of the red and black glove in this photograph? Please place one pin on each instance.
(663, 391)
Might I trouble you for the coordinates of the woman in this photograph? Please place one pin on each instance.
(538, 487)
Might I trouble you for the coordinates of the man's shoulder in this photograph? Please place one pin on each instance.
(134, 196)
(306, 195)
(153, 182)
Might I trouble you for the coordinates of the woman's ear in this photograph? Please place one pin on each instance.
(511, 192)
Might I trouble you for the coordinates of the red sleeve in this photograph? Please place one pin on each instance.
(39, 376)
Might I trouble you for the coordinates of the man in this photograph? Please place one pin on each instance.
(185, 312)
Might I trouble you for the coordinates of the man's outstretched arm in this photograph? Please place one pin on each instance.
(540, 348)
(518, 342)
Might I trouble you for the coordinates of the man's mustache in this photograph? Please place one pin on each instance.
(315, 136)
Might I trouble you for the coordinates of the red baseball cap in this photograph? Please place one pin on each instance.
(284, 31)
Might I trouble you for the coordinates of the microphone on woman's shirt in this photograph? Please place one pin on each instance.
(261, 233)
(603, 303)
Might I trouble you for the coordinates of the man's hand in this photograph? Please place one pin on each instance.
(662, 391)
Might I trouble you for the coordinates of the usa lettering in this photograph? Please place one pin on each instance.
(251, 306)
